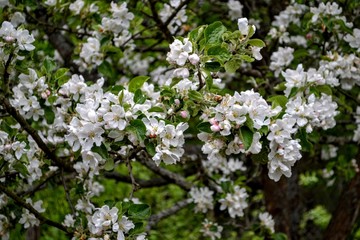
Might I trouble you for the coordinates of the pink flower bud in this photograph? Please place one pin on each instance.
(215, 128)
(184, 114)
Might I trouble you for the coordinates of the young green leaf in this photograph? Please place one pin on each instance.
(137, 82)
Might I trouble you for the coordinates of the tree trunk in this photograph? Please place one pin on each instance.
(346, 213)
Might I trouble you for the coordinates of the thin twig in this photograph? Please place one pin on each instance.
(134, 184)
(166, 174)
(31, 209)
(67, 193)
(154, 182)
(154, 219)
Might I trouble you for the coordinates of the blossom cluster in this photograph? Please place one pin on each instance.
(176, 22)
(106, 221)
(226, 120)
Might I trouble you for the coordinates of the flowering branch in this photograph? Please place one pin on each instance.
(162, 26)
(31, 209)
(42, 145)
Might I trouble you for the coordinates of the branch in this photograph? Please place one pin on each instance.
(161, 25)
(154, 219)
(32, 189)
(6, 74)
(347, 210)
(155, 182)
(32, 132)
(175, 12)
(166, 174)
(31, 209)
(134, 185)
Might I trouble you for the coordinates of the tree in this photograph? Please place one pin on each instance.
(123, 119)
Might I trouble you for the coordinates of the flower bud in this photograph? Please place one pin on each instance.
(194, 59)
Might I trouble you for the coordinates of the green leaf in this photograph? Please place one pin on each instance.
(139, 97)
(196, 34)
(256, 43)
(195, 95)
(156, 109)
(306, 145)
(232, 65)
(140, 211)
(116, 89)
(214, 32)
(139, 128)
(299, 53)
(61, 77)
(204, 127)
(261, 157)
(212, 66)
(209, 82)
(150, 147)
(118, 205)
(137, 82)
(101, 150)
(106, 69)
(109, 164)
(20, 167)
(246, 136)
(324, 89)
(278, 100)
(49, 65)
(280, 236)
(246, 58)
(49, 115)
(219, 52)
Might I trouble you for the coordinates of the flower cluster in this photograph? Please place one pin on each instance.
(211, 230)
(28, 219)
(235, 203)
(203, 198)
(267, 221)
(177, 21)
(105, 221)
(169, 140)
(280, 59)
(19, 38)
(230, 120)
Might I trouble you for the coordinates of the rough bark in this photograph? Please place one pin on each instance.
(277, 202)
(346, 213)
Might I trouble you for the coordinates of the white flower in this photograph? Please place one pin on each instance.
(235, 203)
(235, 9)
(267, 221)
(50, 2)
(115, 118)
(24, 39)
(243, 26)
(354, 39)
(280, 59)
(124, 227)
(256, 52)
(77, 6)
(194, 59)
(69, 221)
(211, 230)
(28, 219)
(203, 198)
(8, 32)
